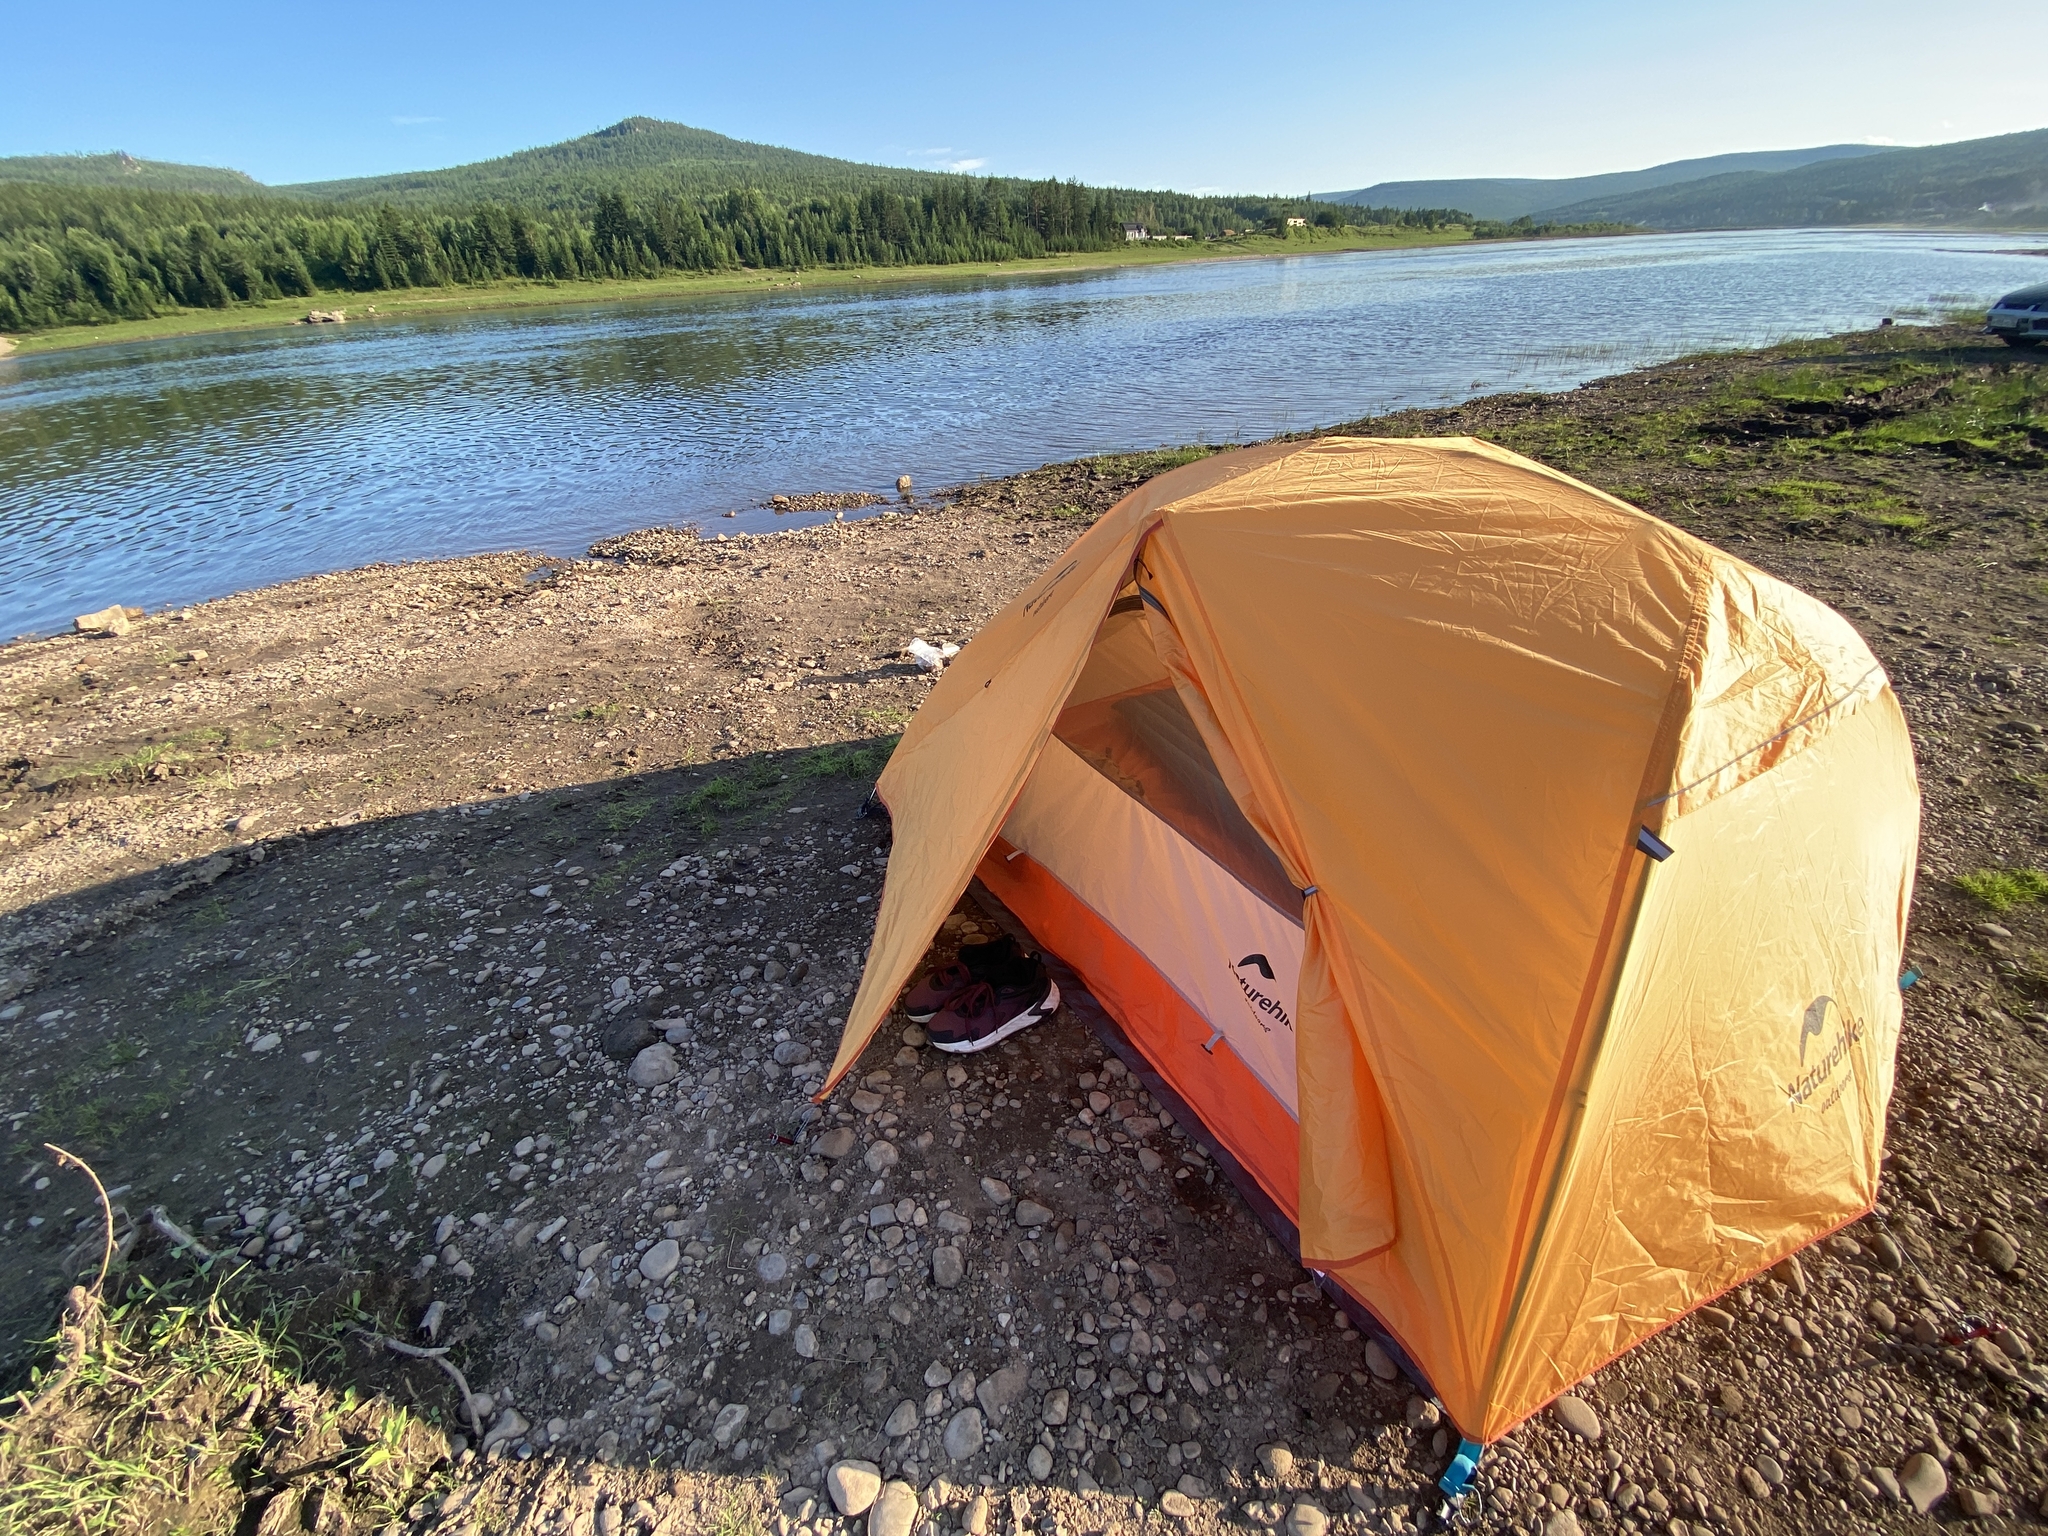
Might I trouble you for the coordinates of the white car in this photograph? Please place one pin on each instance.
(2020, 319)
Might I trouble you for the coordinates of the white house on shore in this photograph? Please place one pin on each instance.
(1137, 232)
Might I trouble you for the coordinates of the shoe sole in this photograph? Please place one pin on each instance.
(1037, 1013)
(926, 1016)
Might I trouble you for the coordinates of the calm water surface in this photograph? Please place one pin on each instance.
(169, 471)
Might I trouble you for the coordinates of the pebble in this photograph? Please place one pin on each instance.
(1563, 1522)
(964, 1434)
(996, 1190)
(1923, 1480)
(1887, 1251)
(654, 1066)
(1753, 1482)
(975, 1521)
(1886, 1320)
(434, 1165)
(1577, 1415)
(805, 1340)
(894, 1510)
(882, 1156)
(1055, 1408)
(1306, 1519)
(1039, 1463)
(660, 1261)
(937, 1374)
(902, 1419)
(1278, 1461)
(948, 1268)
(773, 1268)
(1379, 1362)
(853, 1486)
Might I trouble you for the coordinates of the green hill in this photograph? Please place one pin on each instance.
(640, 156)
(1514, 197)
(1993, 182)
(123, 170)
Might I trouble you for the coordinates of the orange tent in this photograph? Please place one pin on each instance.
(1512, 885)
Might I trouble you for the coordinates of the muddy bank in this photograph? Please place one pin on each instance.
(337, 914)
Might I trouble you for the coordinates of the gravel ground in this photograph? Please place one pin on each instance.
(485, 925)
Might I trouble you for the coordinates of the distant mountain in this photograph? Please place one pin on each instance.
(122, 170)
(1998, 181)
(1508, 197)
(639, 156)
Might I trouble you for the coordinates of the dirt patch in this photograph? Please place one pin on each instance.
(336, 913)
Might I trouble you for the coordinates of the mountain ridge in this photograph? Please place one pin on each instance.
(1514, 197)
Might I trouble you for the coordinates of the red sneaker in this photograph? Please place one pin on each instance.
(977, 962)
(988, 1013)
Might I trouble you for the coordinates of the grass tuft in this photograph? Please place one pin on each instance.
(2003, 889)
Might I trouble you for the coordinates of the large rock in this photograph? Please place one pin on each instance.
(948, 1268)
(1923, 1480)
(1031, 1214)
(964, 1434)
(853, 1486)
(1306, 1519)
(1577, 1415)
(623, 1037)
(107, 621)
(654, 1066)
(998, 1391)
(726, 1427)
(894, 1510)
(902, 1419)
(1379, 1362)
(882, 1156)
(660, 1261)
(835, 1143)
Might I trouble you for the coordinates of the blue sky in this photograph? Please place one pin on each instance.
(1273, 97)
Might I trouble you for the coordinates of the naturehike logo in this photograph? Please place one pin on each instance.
(1823, 1018)
(1264, 1004)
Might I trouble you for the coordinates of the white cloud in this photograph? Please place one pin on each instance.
(1873, 138)
(974, 164)
(410, 122)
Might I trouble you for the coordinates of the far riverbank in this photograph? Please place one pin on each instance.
(412, 303)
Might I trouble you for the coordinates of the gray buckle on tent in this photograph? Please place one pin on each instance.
(1650, 843)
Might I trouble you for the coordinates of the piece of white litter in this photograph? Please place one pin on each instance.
(929, 657)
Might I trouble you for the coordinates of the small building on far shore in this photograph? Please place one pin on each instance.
(1137, 232)
(1297, 223)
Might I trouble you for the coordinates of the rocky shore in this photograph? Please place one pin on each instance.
(483, 926)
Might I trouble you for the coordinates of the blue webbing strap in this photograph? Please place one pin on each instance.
(1459, 1473)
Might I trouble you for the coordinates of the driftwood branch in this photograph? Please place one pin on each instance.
(179, 1237)
(438, 1357)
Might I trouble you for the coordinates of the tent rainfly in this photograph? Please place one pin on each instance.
(1512, 885)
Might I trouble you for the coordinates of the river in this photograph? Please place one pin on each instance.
(163, 472)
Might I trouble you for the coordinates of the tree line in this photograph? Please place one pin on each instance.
(75, 255)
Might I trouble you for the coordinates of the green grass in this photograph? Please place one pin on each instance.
(596, 712)
(622, 815)
(193, 1405)
(2003, 889)
(1155, 462)
(1823, 501)
(848, 760)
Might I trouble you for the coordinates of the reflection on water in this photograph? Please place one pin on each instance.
(169, 471)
